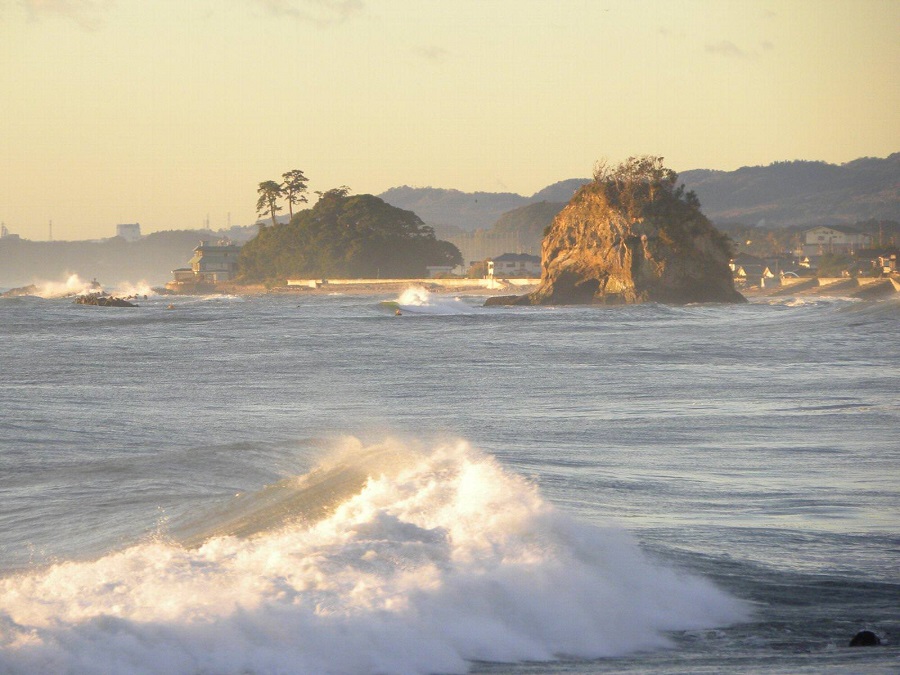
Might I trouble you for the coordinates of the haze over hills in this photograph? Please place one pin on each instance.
(441, 207)
(779, 195)
(481, 224)
(114, 260)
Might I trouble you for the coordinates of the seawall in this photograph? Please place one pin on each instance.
(431, 284)
(858, 287)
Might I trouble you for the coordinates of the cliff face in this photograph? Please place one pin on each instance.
(632, 239)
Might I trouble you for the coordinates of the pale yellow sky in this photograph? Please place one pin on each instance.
(164, 111)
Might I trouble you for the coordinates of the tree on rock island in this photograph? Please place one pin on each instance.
(346, 236)
(293, 187)
(632, 235)
(269, 192)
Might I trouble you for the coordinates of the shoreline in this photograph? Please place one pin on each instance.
(365, 287)
(862, 288)
(865, 288)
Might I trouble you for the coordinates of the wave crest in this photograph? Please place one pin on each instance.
(435, 558)
(418, 300)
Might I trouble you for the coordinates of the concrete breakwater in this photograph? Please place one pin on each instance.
(492, 284)
(857, 287)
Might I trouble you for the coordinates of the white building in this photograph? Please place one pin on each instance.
(210, 264)
(129, 231)
(826, 239)
(516, 265)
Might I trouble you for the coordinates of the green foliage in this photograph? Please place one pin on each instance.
(639, 183)
(269, 192)
(346, 236)
(293, 188)
(477, 270)
(643, 188)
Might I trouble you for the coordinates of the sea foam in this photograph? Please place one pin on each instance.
(436, 558)
(418, 300)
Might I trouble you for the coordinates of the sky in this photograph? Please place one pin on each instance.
(171, 112)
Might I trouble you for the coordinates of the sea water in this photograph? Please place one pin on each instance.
(310, 483)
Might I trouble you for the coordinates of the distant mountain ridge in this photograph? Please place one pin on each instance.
(800, 192)
(466, 210)
(780, 194)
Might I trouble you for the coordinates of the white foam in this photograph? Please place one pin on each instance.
(441, 559)
(73, 285)
(127, 289)
(418, 300)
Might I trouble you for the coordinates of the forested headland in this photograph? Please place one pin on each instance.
(345, 236)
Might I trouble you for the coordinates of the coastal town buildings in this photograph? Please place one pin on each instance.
(210, 264)
(830, 239)
(517, 265)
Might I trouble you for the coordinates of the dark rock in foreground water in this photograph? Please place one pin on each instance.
(865, 638)
(629, 237)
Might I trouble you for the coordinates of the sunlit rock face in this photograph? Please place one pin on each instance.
(631, 236)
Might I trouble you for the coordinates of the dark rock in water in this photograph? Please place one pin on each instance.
(506, 300)
(102, 301)
(865, 638)
(632, 236)
(21, 291)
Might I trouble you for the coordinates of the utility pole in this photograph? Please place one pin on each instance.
(51, 230)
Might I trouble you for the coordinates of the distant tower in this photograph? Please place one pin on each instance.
(3, 231)
(51, 230)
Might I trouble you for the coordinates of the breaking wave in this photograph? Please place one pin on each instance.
(418, 300)
(388, 559)
(74, 285)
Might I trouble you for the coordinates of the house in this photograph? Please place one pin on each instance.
(752, 274)
(885, 264)
(211, 263)
(824, 240)
(437, 271)
(745, 259)
(516, 265)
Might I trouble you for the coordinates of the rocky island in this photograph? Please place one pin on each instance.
(632, 236)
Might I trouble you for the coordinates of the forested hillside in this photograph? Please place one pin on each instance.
(801, 193)
(779, 195)
(465, 210)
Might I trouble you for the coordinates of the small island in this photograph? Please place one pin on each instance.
(345, 236)
(631, 236)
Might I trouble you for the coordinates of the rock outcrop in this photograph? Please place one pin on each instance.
(20, 292)
(102, 301)
(631, 236)
(865, 638)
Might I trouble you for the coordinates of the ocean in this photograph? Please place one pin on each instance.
(309, 483)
